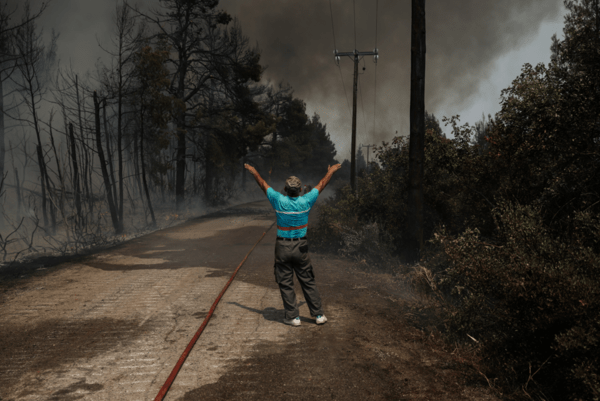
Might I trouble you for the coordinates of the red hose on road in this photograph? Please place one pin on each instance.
(165, 388)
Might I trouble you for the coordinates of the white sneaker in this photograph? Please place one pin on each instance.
(292, 322)
(321, 319)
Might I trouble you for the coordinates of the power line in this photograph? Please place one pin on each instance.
(376, 14)
(362, 105)
(354, 6)
(332, 30)
(335, 47)
(344, 86)
(375, 103)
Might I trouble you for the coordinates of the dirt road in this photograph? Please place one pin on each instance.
(111, 326)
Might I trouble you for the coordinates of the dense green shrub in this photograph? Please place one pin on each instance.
(531, 300)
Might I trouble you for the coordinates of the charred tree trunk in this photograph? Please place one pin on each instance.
(68, 166)
(163, 187)
(40, 156)
(40, 159)
(208, 173)
(194, 189)
(144, 173)
(58, 169)
(61, 200)
(120, 144)
(18, 188)
(89, 159)
(86, 180)
(84, 153)
(417, 132)
(136, 161)
(76, 189)
(109, 153)
(180, 167)
(49, 191)
(181, 137)
(117, 223)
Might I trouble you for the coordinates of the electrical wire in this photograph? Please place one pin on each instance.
(362, 105)
(375, 103)
(376, 14)
(332, 30)
(354, 6)
(345, 94)
(339, 68)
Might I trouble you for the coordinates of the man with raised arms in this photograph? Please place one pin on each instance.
(291, 247)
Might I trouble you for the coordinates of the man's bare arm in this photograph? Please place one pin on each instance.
(325, 180)
(259, 180)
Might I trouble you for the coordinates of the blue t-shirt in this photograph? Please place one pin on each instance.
(292, 212)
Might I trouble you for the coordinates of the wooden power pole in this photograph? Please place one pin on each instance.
(355, 56)
(368, 149)
(416, 152)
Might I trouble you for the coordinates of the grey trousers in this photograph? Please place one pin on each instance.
(290, 257)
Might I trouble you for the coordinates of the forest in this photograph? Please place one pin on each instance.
(158, 133)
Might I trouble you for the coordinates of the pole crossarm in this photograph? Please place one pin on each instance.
(355, 54)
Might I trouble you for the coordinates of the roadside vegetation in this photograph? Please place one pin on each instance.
(512, 218)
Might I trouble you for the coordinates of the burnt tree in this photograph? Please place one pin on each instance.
(117, 223)
(34, 63)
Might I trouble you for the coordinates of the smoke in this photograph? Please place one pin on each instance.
(464, 38)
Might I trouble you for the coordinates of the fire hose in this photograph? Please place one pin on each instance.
(165, 388)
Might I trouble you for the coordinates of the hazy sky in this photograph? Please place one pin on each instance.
(475, 48)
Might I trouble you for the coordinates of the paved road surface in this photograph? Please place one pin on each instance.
(112, 326)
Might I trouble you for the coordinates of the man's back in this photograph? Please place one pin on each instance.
(292, 212)
(291, 247)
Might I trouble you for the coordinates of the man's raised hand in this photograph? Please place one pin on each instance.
(259, 180)
(249, 168)
(325, 180)
(334, 168)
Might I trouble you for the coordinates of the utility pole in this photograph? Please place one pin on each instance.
(356, 56)
(416, 152)
(368, 147)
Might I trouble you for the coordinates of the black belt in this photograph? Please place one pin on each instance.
(291, 239)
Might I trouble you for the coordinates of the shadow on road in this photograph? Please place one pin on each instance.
(272, 314)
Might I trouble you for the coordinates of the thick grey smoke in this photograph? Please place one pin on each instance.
(464, 38)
